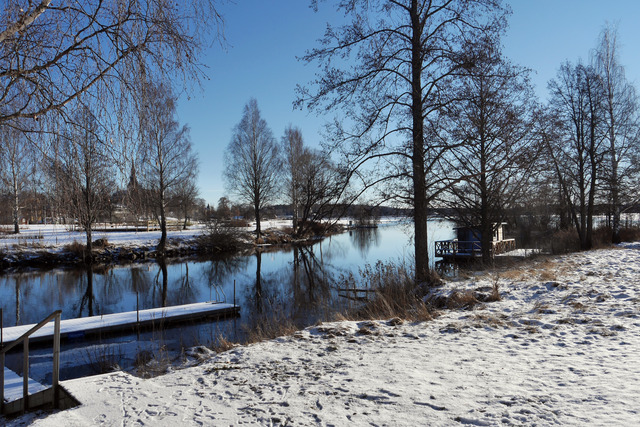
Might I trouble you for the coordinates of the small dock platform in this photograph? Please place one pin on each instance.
(123, 322)
(460, 250)
(13, 386)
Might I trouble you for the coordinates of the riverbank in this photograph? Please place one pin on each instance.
(560, 347)
(46, 246)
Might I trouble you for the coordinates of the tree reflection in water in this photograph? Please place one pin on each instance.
(87, 298)
(364, 238)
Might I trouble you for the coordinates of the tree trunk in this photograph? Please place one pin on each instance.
(421, 238)
(16, 208)
(256, 210)
(615, 195)
(88, 256)
(163, 225)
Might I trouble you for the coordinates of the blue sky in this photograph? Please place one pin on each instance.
(265, 36)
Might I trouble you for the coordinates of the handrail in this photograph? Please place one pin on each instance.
(24, 338)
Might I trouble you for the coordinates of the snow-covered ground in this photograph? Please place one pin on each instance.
(53, 236)
(561, 348)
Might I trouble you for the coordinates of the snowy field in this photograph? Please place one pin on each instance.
(561, 348)
(53, 236)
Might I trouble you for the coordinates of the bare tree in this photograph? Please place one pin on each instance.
(53, 52)
(252, 164)
(185, 199)
(17, 166)
(81, 165)
(405, 53)
(169, 161)
(578, 152)
(223, 210)
(622, 122)
(320, 187)
(493, 151)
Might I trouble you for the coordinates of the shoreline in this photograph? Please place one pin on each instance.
(40, 253)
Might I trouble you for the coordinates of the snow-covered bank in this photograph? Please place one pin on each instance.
(562, 347)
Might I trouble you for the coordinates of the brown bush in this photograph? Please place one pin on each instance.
(76, 248)
(630, 234)
(101, 243)
(270, 327)
(220, 238)
(564, 241)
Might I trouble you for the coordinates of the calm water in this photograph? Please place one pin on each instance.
(299, 284)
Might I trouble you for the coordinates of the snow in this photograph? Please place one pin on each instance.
(14, 386)
(560, 348)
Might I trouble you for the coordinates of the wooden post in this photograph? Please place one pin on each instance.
(56, 363)
(1, 383)
(25, 374)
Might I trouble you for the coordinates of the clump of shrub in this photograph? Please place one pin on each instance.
(76, 248)
(103, 242)
(564, 241)
(269, 326)
(220, 238)
(630, 234)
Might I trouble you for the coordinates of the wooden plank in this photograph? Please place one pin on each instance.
(55, 375)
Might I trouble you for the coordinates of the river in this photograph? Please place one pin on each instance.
(296, 284)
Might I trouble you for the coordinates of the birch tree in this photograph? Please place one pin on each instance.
(252, 162)
(17, 166)
(170, 163)
(83, 170)
(622, 125)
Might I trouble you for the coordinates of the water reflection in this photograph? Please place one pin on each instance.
(364, 238)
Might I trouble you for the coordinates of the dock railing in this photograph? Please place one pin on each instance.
(24, 339)
(503, 246)
(456, 248)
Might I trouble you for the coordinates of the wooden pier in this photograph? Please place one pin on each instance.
(124, 322)
(458, 250)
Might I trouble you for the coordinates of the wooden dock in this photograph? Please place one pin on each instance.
(123, 322)
(459, 250)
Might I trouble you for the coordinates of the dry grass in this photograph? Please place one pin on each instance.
(396, 294)
(104, 358)
(149, 365)
(222, 344)
(268, 328)
(480, 320)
